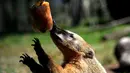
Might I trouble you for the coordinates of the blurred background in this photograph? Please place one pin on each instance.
(100, 22)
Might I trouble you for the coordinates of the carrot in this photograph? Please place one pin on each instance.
(41, 16)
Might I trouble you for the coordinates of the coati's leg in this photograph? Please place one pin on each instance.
(31, 63)
(47, 64)
(43, 58)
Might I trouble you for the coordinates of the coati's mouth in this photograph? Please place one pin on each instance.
(57, 34)
(61, 36)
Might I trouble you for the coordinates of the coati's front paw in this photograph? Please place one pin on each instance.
(37, 44)
(26, 59)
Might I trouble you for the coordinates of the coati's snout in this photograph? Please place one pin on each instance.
(71, 43)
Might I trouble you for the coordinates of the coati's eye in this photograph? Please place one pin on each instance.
(89, 54)
(71, 35)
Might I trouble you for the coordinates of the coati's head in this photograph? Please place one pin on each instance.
(71, 44)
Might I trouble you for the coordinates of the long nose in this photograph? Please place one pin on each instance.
(58, 34)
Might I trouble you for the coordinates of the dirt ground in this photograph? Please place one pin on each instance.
(109, 68)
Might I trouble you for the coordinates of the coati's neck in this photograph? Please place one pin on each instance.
(94, 66)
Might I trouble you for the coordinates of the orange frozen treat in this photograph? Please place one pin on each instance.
(41, 16)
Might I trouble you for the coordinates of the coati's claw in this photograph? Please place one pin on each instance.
(36, 40)
(26, 59)
(36, 43)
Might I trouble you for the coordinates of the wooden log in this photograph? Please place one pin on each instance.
(117, 34)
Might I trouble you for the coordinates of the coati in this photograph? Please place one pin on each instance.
(79, 56)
